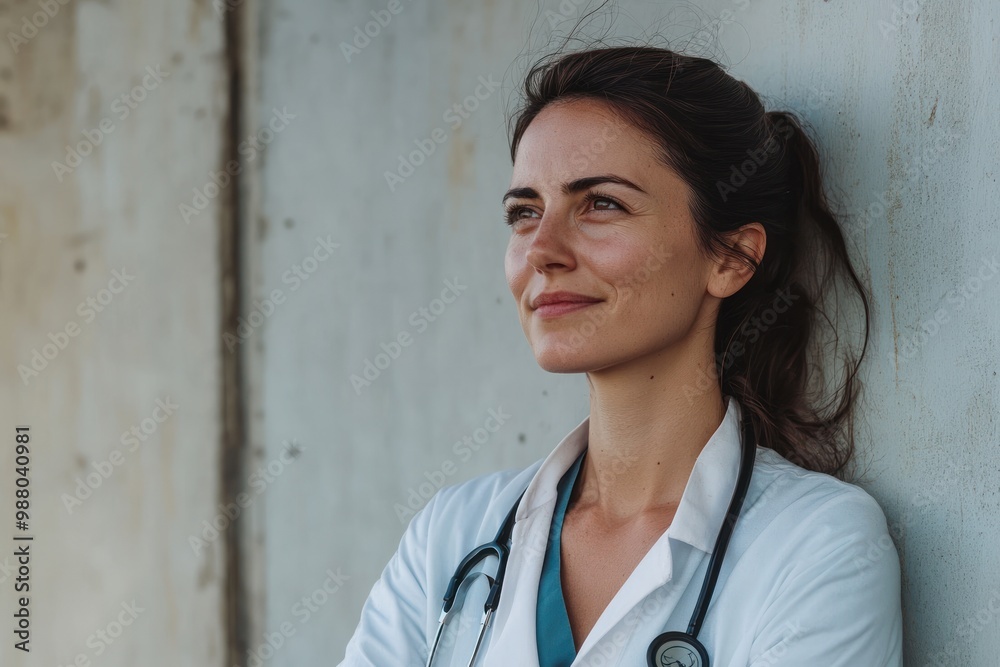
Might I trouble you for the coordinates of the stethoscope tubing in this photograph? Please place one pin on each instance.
(748, 456)
(498, 547)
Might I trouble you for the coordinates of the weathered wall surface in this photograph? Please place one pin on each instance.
(903, 99)
(110, 328)
(378, 330)
(905, 108)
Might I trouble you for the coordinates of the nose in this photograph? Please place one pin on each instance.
(551, 245)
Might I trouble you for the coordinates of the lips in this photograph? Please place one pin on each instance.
(556, 303)
(562, 307)
(562, 298)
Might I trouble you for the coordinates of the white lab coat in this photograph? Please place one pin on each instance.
(811, 577)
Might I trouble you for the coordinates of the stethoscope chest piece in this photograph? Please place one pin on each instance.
(676, 649)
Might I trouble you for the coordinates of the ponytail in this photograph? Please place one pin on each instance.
(777, 378)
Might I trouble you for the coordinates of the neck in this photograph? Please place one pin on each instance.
(649, 421)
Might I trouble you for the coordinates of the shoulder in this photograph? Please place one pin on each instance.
(473, 509)
(402, 609)
(485, 496)
(813, 516)
(818, 555)
(799, 491)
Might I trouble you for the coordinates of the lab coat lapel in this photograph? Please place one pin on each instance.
(652, 572)
(696, 524)
(514, 637)
(514, 640)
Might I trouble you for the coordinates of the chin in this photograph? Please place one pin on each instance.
(560, 367)
(563, 358)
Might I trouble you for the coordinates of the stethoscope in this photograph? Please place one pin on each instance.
(670, 649)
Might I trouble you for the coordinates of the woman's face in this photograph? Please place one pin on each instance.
(629, 245)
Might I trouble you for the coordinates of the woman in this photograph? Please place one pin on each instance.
(665, 233)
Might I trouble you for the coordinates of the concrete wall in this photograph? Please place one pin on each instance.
(365, 447)
(339, 262)
(109, 332)
(904, 105)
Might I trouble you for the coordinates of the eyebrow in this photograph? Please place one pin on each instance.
(570, 187)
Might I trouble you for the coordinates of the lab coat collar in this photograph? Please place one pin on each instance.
(697, 521)
(706, 496)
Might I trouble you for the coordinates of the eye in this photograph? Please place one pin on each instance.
(512, 212)
(594, 196)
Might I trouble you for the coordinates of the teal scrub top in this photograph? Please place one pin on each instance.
(554, 636)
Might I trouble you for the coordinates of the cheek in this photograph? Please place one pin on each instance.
(628, 266)
(650, 277)
(513, 266)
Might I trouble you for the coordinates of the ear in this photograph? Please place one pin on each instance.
(729, 274)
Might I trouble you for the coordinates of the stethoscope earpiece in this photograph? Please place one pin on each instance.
(676, 649)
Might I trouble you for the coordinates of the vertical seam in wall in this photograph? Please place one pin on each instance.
(235, 610)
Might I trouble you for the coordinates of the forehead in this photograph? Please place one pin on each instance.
(579, 138)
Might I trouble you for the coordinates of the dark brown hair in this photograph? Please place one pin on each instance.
(743, 164)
